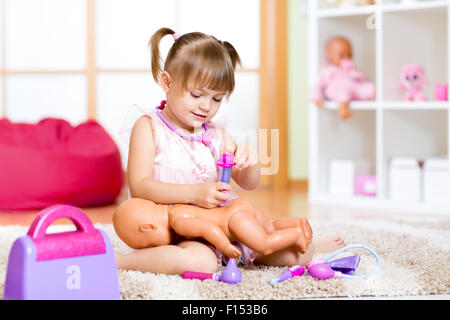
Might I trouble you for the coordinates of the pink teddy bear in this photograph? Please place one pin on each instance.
(340, 80)
(412, 78)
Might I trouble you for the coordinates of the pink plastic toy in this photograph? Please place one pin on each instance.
(62, 266)
(321, 271)
(366, 185)
(412, 79)
(230, 275)
(441, 92)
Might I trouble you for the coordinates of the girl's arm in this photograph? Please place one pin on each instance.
(140, 175)
(140, 169)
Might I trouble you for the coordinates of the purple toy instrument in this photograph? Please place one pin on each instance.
(62, 266)
(230, 275)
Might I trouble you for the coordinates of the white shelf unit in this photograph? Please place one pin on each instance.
(385, 37)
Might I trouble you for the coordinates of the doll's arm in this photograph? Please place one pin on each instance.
(357, 75)
(325, 77)
(198, 228)
(316, 93)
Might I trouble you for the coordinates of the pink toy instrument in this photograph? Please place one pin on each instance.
(230, 275)
(62, 266)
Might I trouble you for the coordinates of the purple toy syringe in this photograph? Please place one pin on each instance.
(294, 271)
(225, 165)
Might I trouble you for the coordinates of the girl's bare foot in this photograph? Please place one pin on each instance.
(328, 244)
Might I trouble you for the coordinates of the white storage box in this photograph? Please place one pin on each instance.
(436, 181)
(341, 175)
(405, 179)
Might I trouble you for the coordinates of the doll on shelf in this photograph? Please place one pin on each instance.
(142, 223)
(340, 80)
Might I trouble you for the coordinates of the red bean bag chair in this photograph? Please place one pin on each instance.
(54, 162)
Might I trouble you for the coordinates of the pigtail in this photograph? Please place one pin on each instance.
(235, 59)
(156, 60)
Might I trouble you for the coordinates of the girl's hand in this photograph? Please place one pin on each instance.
(245, 157)
(208, 194)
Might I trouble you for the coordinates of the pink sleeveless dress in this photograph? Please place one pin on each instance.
(178, 160)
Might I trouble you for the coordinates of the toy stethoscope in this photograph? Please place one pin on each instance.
(352, 276)
(320, 270)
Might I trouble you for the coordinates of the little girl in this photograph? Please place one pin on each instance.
(173, 152)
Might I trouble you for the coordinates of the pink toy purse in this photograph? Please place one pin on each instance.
(62, 266)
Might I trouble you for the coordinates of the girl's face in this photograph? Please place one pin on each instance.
(191, 108)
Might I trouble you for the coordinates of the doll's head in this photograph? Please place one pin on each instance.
(339, 51)
(412, 76)
(142, 224)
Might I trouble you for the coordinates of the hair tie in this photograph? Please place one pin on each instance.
(176, 36)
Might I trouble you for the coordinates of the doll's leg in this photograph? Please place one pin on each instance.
(290, 256)
(284, 223)
(240, 204)
(344, 110)
(248, 230)
(286, 257)
(281, 223)
(171, 259)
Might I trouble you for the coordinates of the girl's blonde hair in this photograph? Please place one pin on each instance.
(196, 57)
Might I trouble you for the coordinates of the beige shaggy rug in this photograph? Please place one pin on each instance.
(415, 256)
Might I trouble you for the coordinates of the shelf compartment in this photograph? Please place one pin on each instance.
(418, 134)
(362, 39)
(422, 37)
(350, 139)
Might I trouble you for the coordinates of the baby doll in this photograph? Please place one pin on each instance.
(412, 78)
(142, 223)
(341, 81)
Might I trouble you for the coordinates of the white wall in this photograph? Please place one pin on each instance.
(46, 49)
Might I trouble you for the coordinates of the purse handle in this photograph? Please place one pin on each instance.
(47, 216)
